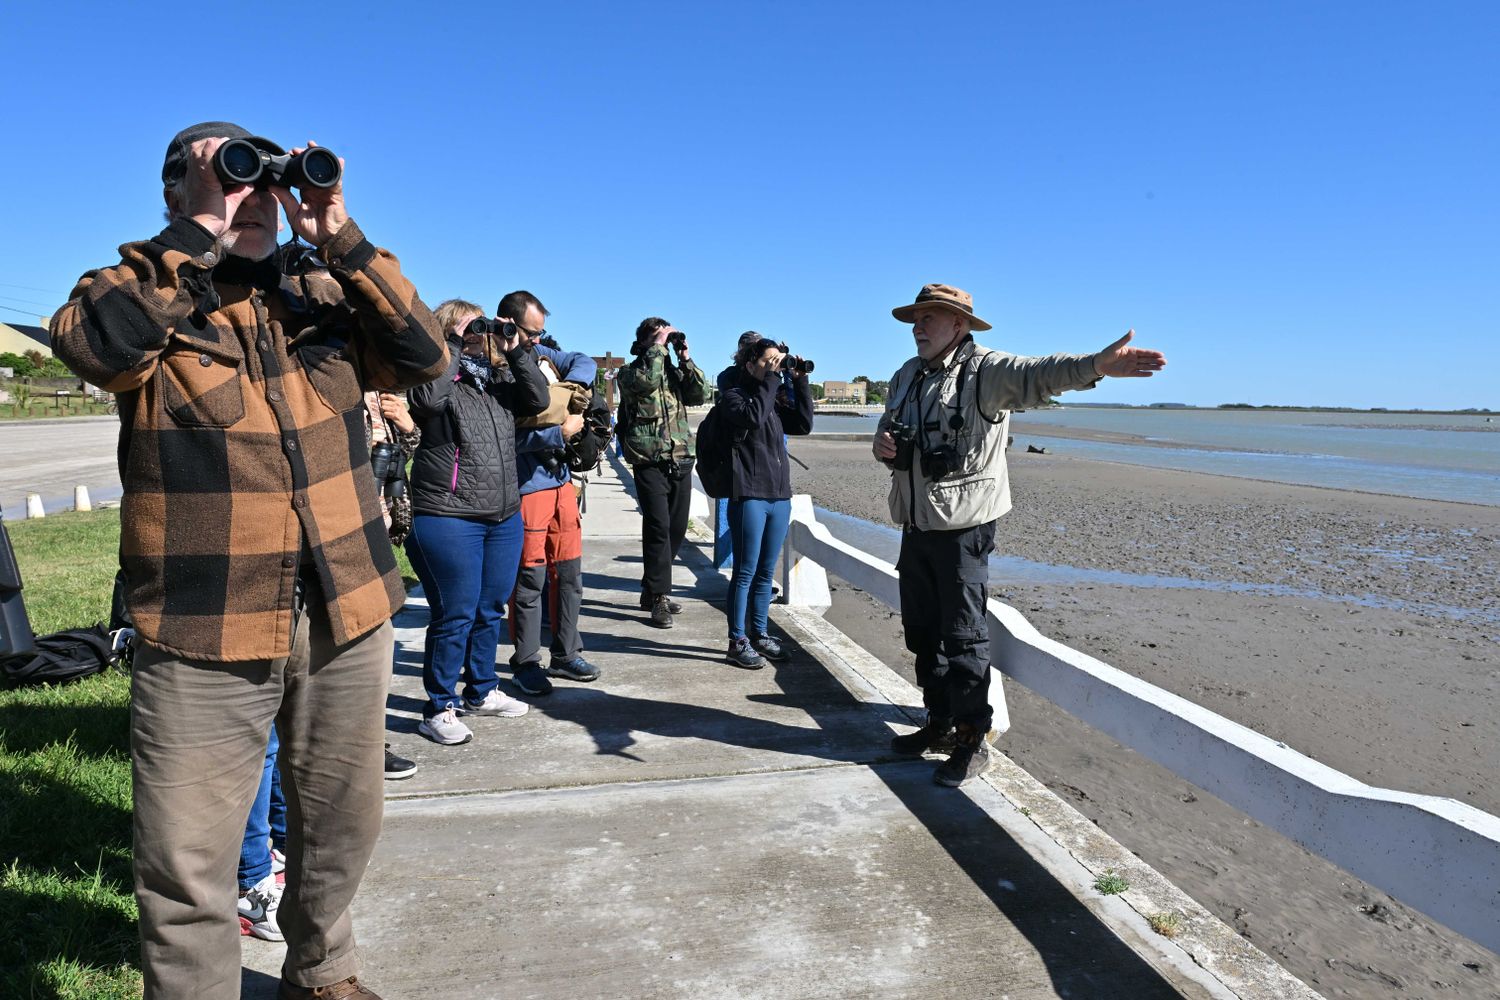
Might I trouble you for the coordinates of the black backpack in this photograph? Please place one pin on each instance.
(584, 451)
(61, 656)
(715, 446)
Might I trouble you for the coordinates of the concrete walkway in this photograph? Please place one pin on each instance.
(684, 828)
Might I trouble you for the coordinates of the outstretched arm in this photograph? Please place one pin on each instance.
(1121, 361)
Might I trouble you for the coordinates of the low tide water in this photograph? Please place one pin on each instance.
(1432, 456)
(884, 542)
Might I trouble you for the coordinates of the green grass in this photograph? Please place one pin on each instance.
(67, 911)
(66, 904)
(1111, 883)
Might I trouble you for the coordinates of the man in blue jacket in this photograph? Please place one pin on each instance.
(549, 509)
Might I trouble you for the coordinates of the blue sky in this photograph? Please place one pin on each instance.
(1297, 202)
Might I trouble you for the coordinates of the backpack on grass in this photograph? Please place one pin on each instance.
(61, 656)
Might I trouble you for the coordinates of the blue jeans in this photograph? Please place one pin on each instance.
(255, 850)
(467, 566)
(757, 529)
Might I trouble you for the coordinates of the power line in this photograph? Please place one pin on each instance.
(31, 288)
(24, 312)
(25, 302)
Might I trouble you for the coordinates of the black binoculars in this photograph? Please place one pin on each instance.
(482, 327)
(240, 161)
(388, 464)
(906, 444)
(794, 363)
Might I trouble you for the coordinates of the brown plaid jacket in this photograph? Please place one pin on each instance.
(242, 433)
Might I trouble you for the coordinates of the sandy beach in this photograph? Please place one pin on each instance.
(1375, 648)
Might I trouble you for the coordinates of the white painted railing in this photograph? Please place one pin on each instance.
(1435, 854)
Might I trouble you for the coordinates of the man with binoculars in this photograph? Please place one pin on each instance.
(653, 431)
(258, 571)
(943, 435)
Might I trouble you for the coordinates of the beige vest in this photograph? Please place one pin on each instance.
(966, 405)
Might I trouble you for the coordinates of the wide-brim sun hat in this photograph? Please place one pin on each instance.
(947, 297)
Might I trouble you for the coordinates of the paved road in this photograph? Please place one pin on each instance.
(51, 457)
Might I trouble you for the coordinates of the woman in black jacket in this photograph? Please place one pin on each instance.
(759, 410)
(465, 541)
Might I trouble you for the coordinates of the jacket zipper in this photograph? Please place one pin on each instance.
(454, 487)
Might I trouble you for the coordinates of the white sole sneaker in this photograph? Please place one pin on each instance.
(497, 704)
(447, 732)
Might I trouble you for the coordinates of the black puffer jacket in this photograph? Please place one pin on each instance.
(466, 463)
(758, 419)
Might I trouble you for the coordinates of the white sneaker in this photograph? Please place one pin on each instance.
(445, 728)
(496, 703)
(257, 909)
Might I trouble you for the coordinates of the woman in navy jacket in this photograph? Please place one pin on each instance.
(758, 411)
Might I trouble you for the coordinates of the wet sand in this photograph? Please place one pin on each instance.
(1392, 676)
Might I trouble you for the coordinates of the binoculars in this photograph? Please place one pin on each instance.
(482, 327)
(240, 161)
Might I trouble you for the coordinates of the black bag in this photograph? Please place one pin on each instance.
(60, 657)
(583, 452)
(715, 445)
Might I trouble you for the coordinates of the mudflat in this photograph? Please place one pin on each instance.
(1362, 630)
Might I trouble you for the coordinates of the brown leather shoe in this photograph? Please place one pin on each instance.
(344, 989)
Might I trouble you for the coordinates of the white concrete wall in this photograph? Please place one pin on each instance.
(1435, 854)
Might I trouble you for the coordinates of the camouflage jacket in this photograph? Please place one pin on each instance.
(654, 396)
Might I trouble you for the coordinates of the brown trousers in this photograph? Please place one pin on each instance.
(197, 746)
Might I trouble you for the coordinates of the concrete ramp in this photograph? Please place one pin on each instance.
(684, 828)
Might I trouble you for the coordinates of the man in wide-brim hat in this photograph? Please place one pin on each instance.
(943, 435)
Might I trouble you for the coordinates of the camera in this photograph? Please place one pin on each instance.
(240, 161)
(906, 444)
(482, 327)
(794, 363)
(939, 462)
(388, 464)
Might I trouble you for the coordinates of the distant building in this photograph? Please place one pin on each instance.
(18, 339)
(844, 392)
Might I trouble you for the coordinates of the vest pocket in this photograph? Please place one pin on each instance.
(203, 384)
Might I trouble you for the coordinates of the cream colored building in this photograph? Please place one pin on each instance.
(844, 392)
(20, 338)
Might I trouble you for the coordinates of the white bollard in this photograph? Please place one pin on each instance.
(81, 498)
(34, 506)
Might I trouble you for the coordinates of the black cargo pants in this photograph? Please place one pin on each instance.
(944, 582)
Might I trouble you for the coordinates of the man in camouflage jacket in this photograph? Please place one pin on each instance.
(258, 571)
(653, 431)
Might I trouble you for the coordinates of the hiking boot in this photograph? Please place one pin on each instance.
(445, 728)
(396, 768)
(661, 612)
(647, 601)
(576, 669)
(531, 678)
(497, 702)
(769, 648)
(344, 989)
(257, 909)
(742, 654)
(936, 735)
(970, 759)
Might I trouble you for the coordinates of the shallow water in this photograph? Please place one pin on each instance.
(884, 542)
(1431, 456)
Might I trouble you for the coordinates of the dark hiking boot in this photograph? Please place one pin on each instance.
(936, 736)
(345, 989)
(742, 654)
(576, 669)
(970, 758)
(647, 601)
(661, 612)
